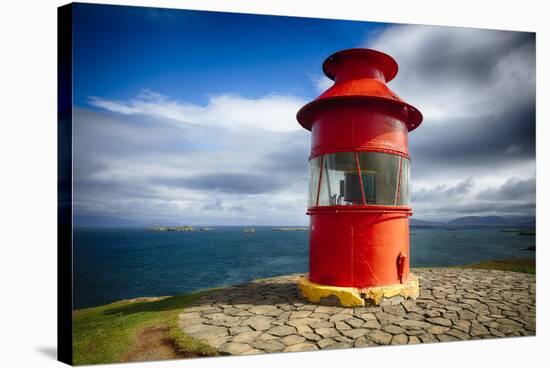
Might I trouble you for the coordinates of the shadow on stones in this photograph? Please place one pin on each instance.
(175, 302)
(331, 300)
(255, 293)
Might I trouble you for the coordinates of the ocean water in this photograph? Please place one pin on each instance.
(114, 264)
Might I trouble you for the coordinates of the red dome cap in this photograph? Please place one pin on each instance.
(360, 74)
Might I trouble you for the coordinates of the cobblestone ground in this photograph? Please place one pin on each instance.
(454, 304)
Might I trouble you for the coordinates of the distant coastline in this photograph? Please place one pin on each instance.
(179, 228)
(479, 221)
(186, 228)
(509, 222)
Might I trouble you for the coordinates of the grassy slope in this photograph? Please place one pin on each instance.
(524, 265)
(105, 334)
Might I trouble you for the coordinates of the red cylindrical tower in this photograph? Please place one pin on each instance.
(359, 183)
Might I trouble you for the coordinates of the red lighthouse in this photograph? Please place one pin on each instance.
(359, 184)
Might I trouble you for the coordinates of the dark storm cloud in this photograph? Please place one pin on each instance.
(449, 55)
(236, 183)
(91, 188)
(458, 71)
(512, 189)
(217, 205)
(443, 192)
(478, 142)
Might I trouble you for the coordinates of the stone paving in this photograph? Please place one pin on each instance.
(267, 315)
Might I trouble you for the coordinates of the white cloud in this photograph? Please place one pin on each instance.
(272, 112)
(133, 167)
(322, 82)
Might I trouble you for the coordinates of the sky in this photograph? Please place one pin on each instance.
(188, 117)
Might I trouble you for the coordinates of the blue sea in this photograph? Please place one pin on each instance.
(113, 264)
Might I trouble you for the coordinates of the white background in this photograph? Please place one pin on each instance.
(28, 179)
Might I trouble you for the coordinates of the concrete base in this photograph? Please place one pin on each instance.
(355, 297)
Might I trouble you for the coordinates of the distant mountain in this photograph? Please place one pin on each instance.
(492, 221)
(113, 221)
(415, 222)
(479, 221)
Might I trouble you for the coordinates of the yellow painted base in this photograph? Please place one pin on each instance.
(355, 297)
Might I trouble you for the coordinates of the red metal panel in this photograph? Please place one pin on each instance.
(355, 126)
(359, 249)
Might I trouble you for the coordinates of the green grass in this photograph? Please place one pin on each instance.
(105, 334)
(523, 265)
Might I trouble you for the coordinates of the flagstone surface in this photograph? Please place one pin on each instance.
(455, 304)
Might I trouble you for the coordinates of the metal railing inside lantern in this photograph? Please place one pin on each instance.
(335, 179)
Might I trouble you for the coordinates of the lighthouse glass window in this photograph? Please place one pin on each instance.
(335, 179)
(314, 172)
(392, 173)
(403, 198)
(339, 180)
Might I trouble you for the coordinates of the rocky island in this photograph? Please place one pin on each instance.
(179, 229)
(297, 228)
